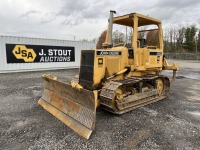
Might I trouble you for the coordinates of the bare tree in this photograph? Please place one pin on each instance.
(198, 21)
(153, 38)
(171, 38)
(142, 35)
(118, 37)
(166, 39)
(101, 40)
(180, 39)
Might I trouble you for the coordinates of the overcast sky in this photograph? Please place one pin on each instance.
(66, 19)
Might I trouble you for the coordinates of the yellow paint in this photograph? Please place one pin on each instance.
(76, 85)
(22, 52)
(49, 76)
(147, 60)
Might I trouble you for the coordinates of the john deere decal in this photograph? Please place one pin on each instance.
(20, 53)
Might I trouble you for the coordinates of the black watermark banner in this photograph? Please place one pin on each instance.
(22, 53)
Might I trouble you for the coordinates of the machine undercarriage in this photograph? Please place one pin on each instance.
(122, 96)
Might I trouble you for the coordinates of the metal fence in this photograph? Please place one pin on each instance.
(183, 56)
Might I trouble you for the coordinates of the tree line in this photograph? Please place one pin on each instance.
(178, 39)
(182, 39)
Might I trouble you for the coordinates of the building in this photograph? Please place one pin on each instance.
(19, 54)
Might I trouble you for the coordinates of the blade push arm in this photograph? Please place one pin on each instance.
(173, 67)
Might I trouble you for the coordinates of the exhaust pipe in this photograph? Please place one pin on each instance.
(110, 28)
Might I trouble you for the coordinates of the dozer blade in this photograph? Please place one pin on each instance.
(77, 109)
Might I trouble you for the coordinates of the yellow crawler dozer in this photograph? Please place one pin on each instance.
(118, 78)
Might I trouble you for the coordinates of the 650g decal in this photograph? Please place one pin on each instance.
(20, 53)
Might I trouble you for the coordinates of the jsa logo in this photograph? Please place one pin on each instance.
(21, 52)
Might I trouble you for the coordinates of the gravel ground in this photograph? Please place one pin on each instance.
(173, 123)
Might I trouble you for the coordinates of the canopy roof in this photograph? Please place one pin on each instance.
(128, 19)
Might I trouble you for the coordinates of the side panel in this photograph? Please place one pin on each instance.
(87, 69)
(99, 70)
(154, 58)
(149, 58)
